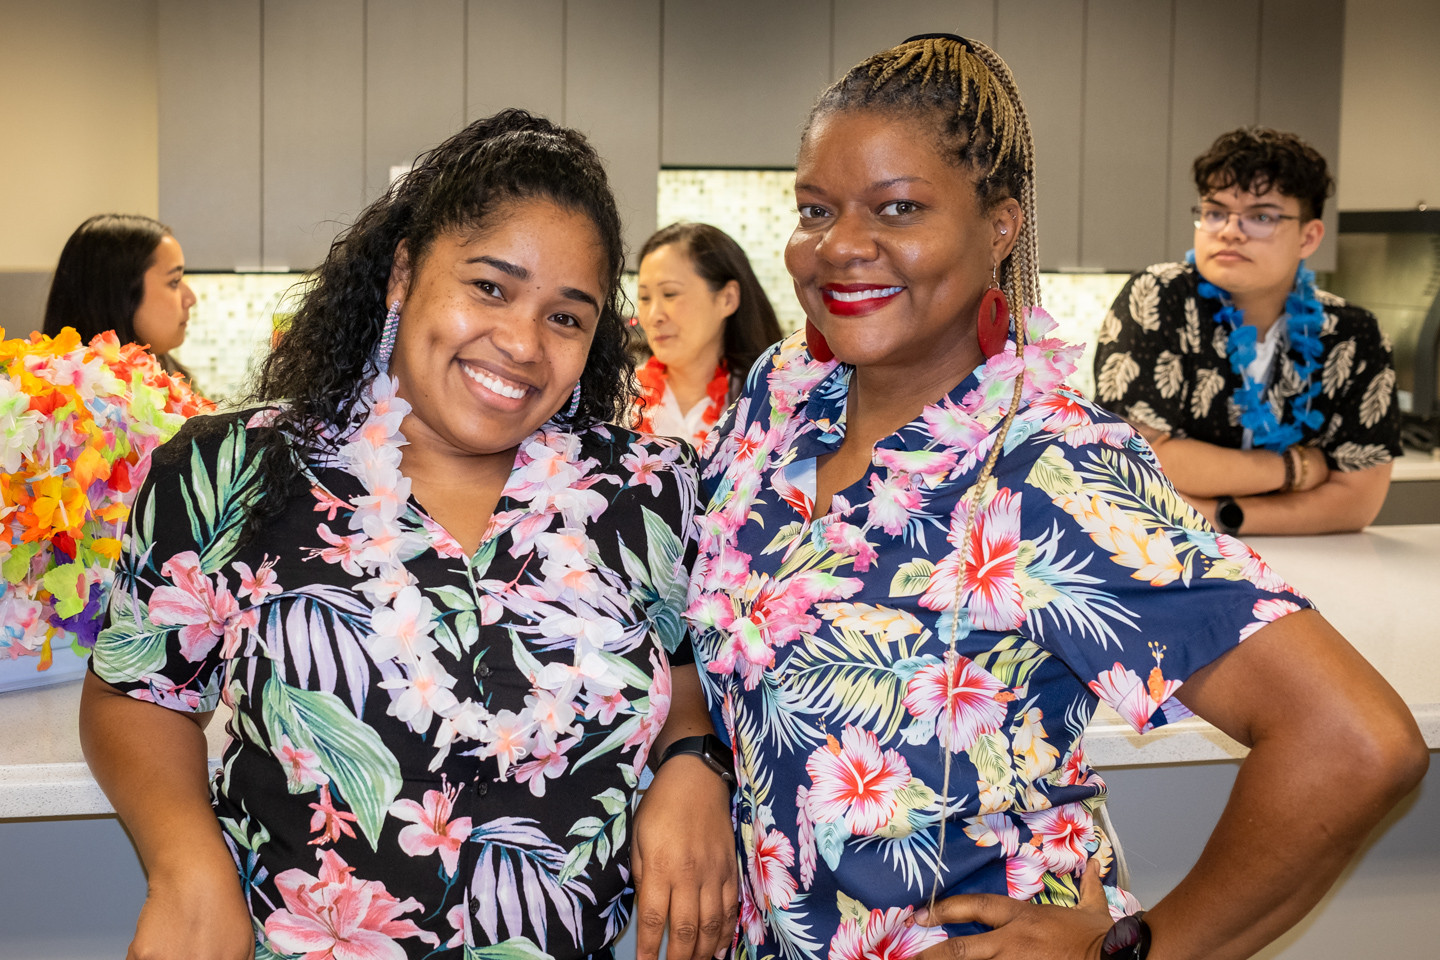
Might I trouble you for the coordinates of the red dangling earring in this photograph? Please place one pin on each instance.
(993, 323)
(815, 340)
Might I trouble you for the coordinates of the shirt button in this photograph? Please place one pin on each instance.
(483, 788)
(483, 670)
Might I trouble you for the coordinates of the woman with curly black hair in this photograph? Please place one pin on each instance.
(429, 579)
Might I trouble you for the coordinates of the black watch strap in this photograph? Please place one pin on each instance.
(709, 748)
(1128, 939)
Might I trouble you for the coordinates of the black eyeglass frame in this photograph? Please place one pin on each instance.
(1198, 213)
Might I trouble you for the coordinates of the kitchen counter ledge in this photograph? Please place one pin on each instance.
(1376, 587)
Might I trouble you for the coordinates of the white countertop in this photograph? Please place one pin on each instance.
(1415, 465)
(1379, 588)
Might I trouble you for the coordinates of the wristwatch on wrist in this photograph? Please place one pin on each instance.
(1229, 515)
(708, 748)
(1128, 939)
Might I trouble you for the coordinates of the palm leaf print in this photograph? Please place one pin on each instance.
(1208, 384)
(1375, 402)
(1337, 367)
(1078, 605)
(1115, 376)
(855, 681)
(515, 853)
(1145, 302)
(217, 511)
(1169, 376)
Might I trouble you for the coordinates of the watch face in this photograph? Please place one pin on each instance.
(1230, 515)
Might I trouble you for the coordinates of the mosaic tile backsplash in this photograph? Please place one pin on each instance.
(232, 319)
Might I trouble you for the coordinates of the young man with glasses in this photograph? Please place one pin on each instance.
(1270, 404)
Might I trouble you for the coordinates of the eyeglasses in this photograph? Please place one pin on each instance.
(1257, 225)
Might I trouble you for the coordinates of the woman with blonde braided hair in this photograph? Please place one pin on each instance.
(925, 561)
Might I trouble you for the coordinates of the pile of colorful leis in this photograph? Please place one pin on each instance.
(77, 426)
(1304, 319)
(651, 376)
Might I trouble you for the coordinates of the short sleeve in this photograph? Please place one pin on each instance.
(1139, 370)
(1138, 591)
(172, 615)
(1359, 372)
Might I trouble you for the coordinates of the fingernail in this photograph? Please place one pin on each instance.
(921, 916)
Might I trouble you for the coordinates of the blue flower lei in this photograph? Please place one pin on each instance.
(1304, 320)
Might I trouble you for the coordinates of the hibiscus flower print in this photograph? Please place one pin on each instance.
(335, 916)
(962, 700)
(854, 781)
(771, 881)
(1064, 833)
(204, 611)
(885, 935)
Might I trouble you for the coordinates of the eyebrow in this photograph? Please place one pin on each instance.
(1252, 206)
(179, 269)
(877, 185)
(520, 273)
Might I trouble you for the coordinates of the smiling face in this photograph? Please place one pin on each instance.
(683, 319)
(496, 325)
(892, 252)
(164, 309)
(1247, 267)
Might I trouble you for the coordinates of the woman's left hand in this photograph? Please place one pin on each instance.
(683, 864)
(1021, 930)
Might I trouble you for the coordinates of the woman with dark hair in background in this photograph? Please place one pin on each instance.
(926, 561)
(126, 273)
(415, 575)
(706, 319)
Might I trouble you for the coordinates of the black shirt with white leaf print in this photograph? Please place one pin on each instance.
(1160, 363)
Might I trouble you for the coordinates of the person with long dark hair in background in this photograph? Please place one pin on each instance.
(126, 273)
(706, 318)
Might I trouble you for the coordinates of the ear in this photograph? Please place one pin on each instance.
(400, 271)
(1310, 236)
(1006, 221)
(728, 297)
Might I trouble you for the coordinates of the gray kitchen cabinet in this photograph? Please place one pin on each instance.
(1124, 141)
(515, 57)
(414, 82)
(1216, 89)
(1042, 41)
(863, 27)
(313, 127)
(209, 130)
(1301, 46)
(738, 80)
(612, 95)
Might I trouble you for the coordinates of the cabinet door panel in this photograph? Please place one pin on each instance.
(863, 27)
(1301, 48)
(314, 123)
(612, 95)
(414, 82)
(738, 80)
(1043, 42)
(209, 130)
(1125, 143)
(515, 57)
(1216, 90)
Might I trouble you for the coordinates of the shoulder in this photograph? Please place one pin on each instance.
(206, 435)
(635, 461)
(1346, 320)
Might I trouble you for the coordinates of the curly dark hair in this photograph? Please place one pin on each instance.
(718, 259)
(321, 365)
(1259, 159)
(962, 94)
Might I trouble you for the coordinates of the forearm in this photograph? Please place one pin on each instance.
(1345, 502)
(151, 764)
(1200, 469)
(688, 715)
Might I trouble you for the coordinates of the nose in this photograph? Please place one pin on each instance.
(847, 238)
(187, 298)
(519, 339)
(1232, 230)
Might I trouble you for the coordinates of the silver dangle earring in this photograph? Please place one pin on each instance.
(574, 407)
(387, 336)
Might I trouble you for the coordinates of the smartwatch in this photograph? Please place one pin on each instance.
(1229, 515)
(708, 748)
(1128, 939)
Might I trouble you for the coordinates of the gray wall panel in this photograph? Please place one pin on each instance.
(738, 79)
(414, 82)
(1216, 89)
(209, 130)
(1301, 49)
(515, 57)
(1043, 41)
(612, 94)
(1125, 142)
(314, 123)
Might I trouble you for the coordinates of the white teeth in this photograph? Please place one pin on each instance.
(859, 295)
(494, 384)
